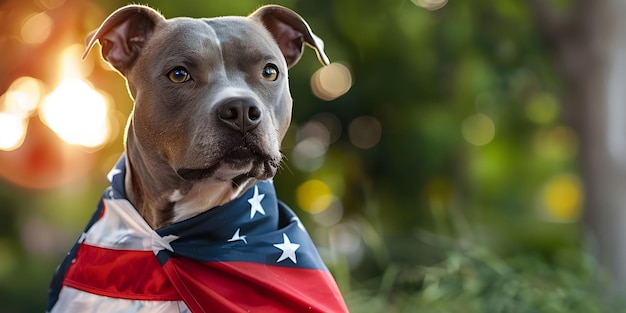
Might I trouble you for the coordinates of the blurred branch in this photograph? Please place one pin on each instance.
(554, 21)
(569, 37)
(566, 34)
(550, 22)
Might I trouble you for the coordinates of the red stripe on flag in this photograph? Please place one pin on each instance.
(251, 287)
(125, 274)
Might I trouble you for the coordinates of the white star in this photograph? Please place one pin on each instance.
(112, 174)
(162, 243)
(255, 203)
(237, 237)
(289, 249)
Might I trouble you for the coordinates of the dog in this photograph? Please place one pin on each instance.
(191, 222)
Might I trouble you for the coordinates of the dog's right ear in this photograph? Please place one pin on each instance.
(123, 34)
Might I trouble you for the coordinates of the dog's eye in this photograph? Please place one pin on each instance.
(179, 75)
(270, 72)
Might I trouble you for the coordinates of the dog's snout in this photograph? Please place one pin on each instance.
(240, 114)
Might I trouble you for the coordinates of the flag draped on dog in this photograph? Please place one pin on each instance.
(249, 255)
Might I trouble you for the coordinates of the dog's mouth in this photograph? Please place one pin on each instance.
(241, 163)
(192, 174)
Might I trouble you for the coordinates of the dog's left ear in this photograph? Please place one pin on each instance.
(290, 31)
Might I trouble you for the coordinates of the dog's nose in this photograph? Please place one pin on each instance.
(240, 114)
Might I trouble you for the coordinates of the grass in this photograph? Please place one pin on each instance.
(471, 277)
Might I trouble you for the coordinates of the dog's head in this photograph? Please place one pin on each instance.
(211, 95)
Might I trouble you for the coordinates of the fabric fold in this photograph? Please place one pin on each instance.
(249, 255)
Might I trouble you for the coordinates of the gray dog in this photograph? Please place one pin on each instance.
(191, 221)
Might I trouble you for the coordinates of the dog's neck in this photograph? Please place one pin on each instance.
(161, 196)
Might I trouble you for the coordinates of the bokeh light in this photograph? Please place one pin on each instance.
(556, 143)
(77, 113)
(562, 198)
(346, 240)
(542, 108)
(75, 110)
(430, 4)
(308, 154)
(313, 140)
(314, 129)
(478, 129)
(36, 28)
(51, 4)
(23, 96)
(331, 82)
(365, 131)
(72, 63)
(16, 105)
(12, 131)
(314, 196)
(331, 123)
(331, 215)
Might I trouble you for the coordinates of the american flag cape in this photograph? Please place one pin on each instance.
(249, 255)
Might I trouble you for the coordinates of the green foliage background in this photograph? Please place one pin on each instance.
(443, 226)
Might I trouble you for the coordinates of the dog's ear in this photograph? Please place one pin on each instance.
(290, 31)
(123, 34)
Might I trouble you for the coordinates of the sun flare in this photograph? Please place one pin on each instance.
(74, 109)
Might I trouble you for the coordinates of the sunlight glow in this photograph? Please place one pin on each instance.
(74, 110)
(23, 95)
(16, 106)
(77, 113)
(12, 131)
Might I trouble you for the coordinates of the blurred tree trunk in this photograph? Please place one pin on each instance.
(589, 46)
